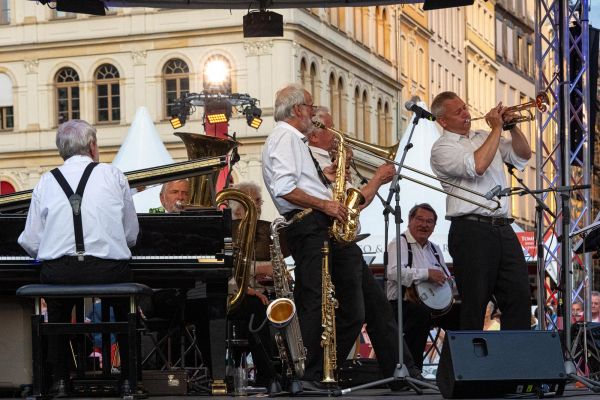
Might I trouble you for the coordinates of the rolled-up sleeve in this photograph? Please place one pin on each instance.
(509, 155)
(450, 159)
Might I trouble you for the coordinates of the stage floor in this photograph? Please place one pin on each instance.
(570, 392)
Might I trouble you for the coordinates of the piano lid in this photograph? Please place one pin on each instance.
(19, 201)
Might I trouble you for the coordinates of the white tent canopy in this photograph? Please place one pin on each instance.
(143, 148)
(371, 219)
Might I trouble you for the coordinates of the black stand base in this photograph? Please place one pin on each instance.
(400, 375)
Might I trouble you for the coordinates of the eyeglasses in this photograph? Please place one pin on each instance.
(425, 221)
(312, 107)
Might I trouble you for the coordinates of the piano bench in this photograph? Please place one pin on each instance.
(40, 329)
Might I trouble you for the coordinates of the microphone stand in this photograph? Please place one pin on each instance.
(541, 271)
(401, 372)
(539, 241)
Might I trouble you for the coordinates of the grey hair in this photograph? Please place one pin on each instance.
(163, 188)
(422, 206)
(285, 100)
(246, 187)
(437, 105)
(595, 293)
(75, 137)
(320, 113)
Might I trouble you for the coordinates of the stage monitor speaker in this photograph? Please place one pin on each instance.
(477, 364)
(16, 368)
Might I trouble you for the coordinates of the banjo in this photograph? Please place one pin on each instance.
(438, 298)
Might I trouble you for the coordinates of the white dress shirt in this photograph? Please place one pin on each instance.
(109, 221)
(287, 165)
(452, 159)
(422, 259)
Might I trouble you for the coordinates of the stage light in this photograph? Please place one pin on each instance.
(216, 118)
(93, 7)
(216, 76)
(263, 24)
(253, 114)
(177, 122)
(438, 4)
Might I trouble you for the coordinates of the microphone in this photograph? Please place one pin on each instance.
(495, 191)
(420, 111)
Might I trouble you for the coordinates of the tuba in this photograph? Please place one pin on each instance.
(202, 188)
(328, 305)
(282, 311)
(344, 232)
(243, 248)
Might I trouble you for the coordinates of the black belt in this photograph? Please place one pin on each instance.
(496, 221)
(290, 214)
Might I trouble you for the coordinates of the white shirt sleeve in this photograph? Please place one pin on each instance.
(509, 155)
(408, 275)
(31, 236)
(286, 164)
(130, 221)
(450, 159)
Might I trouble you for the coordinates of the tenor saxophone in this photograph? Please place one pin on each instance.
(328, 305)
(282, 311)
(344, 232)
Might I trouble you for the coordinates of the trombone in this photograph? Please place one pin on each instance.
(389, 153)
(541, 103)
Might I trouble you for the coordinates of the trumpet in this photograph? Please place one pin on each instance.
(388, 154)
(541, 103)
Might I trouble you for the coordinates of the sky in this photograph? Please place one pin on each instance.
(595, 13)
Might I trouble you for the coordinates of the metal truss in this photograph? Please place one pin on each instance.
(563, 72)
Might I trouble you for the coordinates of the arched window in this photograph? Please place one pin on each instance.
(176, 76)
(341, 19)
(6, 103)
(380, 124)
(342, 123)
(365, 25)
(358, 114)
(387, 53)
(4, 12)
(379, 30)
(366, 118)
(66, 82)
(314, 87)
(334, 103)
(217, 75)
(357, 23)
(304, 78)
(108, 98)
(388, 123)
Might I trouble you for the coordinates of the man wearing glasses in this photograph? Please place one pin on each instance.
(421, 261)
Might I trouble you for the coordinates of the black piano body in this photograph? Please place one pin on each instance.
(172, 251)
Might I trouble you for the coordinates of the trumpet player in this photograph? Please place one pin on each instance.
(379, 317)
(487, 256)
(174, 195)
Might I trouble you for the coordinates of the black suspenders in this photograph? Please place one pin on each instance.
(75, 201)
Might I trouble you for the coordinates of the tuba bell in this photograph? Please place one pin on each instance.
(202, 188)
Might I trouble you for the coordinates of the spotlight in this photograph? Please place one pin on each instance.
(216, 76)
(217, 111)
(177, 122)
(216, 118)
(253, 114)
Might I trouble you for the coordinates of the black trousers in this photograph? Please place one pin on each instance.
(305, 240)
(488, 260)
(360, 298)
(68, 270)
(417, 321)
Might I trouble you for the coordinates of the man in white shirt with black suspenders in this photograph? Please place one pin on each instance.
(80, 237)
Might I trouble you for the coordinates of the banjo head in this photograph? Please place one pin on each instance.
(437, 298)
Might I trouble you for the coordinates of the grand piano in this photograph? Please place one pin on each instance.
(172, 251)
